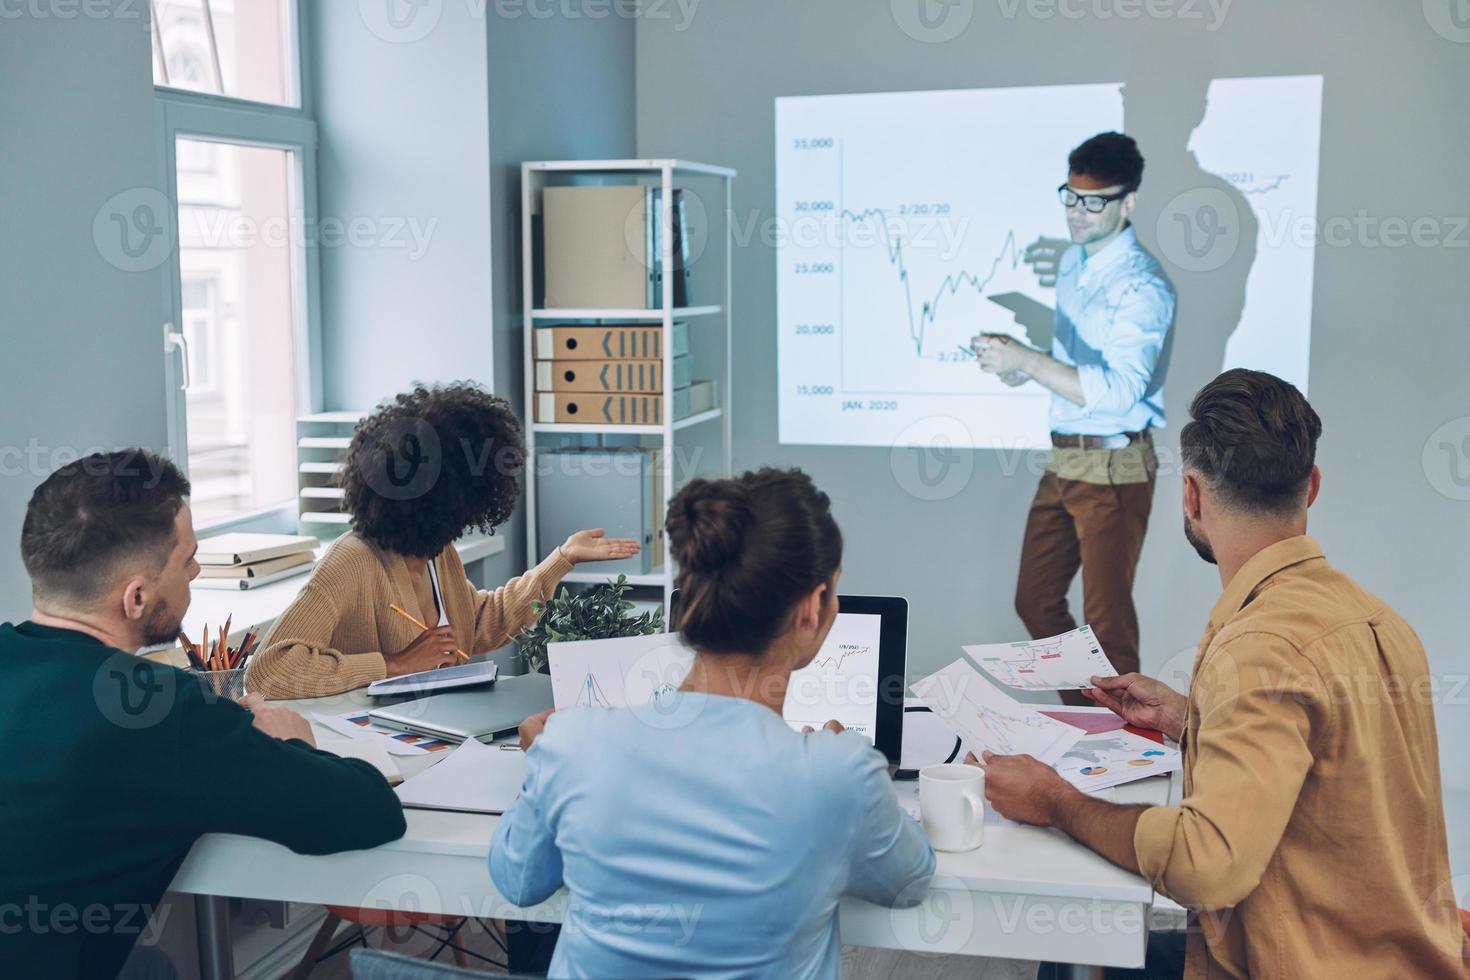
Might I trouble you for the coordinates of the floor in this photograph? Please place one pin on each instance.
(863, 963)
(473, 936)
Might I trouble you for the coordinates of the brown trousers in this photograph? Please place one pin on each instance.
(1098, 527)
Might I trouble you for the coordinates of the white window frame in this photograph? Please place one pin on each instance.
(191, 115)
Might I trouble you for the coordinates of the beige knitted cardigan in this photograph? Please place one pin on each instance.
(333, 637)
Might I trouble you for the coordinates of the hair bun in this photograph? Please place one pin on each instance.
(716, 518)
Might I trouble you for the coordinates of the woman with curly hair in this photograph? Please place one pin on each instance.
(420, 471)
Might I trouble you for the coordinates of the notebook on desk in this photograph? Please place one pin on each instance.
(474, 778)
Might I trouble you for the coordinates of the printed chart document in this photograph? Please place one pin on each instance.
(1115, 758)
(474, 778)
(616, 673)
(1067, 662)
(990, 719)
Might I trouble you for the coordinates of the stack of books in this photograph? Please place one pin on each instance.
(246, 561)
(614, 375)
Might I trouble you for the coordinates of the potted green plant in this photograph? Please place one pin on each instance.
(597, 613)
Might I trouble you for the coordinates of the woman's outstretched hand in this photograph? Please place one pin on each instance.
(593, 546)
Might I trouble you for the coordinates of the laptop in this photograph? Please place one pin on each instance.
(479, 714)
(858, 675)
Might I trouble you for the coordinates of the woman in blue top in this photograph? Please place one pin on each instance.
(703, 836)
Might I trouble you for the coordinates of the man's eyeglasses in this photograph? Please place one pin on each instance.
(1091, 203)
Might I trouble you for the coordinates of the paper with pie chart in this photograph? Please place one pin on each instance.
(989, 718)
(1115, 758)
(1066, 662)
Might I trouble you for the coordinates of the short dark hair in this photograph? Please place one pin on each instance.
(1253, 437)
(432, 463)
(1112, 158)
(748, 549)
(90, 517)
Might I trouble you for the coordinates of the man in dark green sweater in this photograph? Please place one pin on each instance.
(114, 765)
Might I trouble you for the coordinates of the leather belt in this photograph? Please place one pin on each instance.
(1066, 440)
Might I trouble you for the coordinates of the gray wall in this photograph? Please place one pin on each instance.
(80, 328)
(559, 90)
(431, 125)
(402, 138)
(1389, 343)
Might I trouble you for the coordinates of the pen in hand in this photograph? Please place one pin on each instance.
(412, 619)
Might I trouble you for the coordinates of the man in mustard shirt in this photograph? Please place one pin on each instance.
(1310, 840)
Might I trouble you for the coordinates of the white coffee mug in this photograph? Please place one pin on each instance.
(952, 805)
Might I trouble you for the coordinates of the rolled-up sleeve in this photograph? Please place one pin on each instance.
(525, 863)
(502, 613)
(1141, 318)
(1252, 755)
(892, 861)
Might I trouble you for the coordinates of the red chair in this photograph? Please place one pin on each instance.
(399, 925)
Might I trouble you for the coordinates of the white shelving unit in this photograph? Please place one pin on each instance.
(321, 447)
(666, 174)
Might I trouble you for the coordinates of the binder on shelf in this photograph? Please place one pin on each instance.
(697, 397)
(617, 489)
(644, 376)
(655, 297)
(595, 241)
(627, 341)
(603, 247)
(594, 408)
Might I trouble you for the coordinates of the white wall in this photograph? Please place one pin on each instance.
(1390, 344)
(83, 339)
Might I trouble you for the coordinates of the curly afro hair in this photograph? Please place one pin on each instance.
(432, 463)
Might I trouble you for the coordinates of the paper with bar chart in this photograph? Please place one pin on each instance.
(989, 718)
(1099, 761)
(1066, 662)
(903, 219)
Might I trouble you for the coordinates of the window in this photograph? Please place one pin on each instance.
(244, 49)
(239, 287)
(236, 264)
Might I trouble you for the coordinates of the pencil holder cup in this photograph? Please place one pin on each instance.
(226, 685)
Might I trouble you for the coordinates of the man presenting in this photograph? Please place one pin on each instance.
(1310, 841)
(1109, 354)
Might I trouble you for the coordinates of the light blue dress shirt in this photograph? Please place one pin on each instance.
(1114, 323)
(703, 837)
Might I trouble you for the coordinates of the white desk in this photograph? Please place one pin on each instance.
(1026, 894)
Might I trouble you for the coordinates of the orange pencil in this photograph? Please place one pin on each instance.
(410, 617)
(224, 644)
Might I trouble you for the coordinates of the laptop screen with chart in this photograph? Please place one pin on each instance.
(841, 681)
(856, 678)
